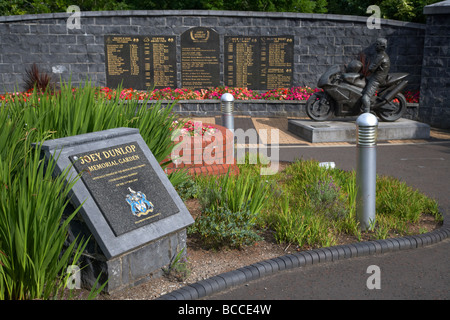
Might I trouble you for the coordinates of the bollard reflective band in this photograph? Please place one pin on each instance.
(226, 107)
(367, 125)
(227, 103)
(367, 136)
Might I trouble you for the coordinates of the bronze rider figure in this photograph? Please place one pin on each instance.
(379, 69)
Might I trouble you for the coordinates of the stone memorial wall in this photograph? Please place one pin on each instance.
(259, 50)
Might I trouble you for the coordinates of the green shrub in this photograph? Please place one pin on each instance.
(396, 198)
(231, 207)
(300, 225)
(235, 192)
(318, 204)
(325, 198)
(222, 227)
(187, 188)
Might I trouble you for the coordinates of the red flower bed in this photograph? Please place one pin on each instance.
(286, 94)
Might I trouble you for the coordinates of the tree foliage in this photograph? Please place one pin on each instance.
(19, 7)
(405, 10)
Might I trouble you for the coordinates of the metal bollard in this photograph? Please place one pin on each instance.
(366, 127)
(227, 107)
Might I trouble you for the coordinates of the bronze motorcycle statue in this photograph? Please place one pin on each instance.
(343, 92)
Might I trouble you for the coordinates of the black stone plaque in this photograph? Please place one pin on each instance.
(126, 200)
(141, 62)
(200, 64)
(124, 186)
(260, 62)
(242, 62)
(277, 57)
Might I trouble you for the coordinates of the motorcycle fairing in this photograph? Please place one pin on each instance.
(345, 96)
(324, 79)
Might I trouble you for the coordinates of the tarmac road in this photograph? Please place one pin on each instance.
(422, 273)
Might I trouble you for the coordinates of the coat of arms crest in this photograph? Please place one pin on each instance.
(138, 202)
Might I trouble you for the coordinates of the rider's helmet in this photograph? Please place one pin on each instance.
(354, 66)
(381, 44)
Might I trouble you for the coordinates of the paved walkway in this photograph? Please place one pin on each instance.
(287, 138)
(415, 267)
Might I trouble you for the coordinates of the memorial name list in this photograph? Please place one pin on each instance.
(259, 62)
(141, 62)
(147, 62)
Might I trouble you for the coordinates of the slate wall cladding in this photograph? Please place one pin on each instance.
(435, 87)
(320, 40)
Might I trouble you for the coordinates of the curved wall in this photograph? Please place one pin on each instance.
(320, 40)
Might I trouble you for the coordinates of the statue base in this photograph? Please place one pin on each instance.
(345, 130)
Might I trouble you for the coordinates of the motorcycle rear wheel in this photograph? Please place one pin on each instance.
(392, 115)
(319, 107)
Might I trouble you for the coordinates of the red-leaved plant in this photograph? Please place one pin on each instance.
(35, 78)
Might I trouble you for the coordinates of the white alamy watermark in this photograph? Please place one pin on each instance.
(262, 149)
(74, 21)
(217, 151)
(374, 281)
(74, 277)
(374, 21)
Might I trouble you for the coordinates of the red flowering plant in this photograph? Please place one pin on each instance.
(283, 94)
(238, 93)
(294, 93)
(412, 96)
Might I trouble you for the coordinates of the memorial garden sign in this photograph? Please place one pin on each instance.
(137, 220)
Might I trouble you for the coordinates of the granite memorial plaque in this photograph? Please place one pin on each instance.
(242, 62)
(125, 186)
(127, 199)
(277, 61)
(141, 62)
(200, 64)
(260, 62)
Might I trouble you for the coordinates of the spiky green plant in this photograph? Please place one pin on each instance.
(81, 110)
(32, 202)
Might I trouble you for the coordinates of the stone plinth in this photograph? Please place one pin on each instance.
(345, 131)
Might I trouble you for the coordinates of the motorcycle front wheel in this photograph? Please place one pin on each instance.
(393, 111)
(319, 107)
